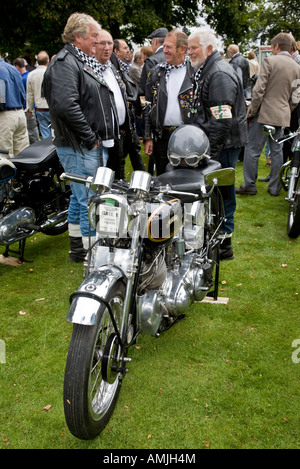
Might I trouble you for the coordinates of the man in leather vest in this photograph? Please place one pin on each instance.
(219, 110)
(169, 95)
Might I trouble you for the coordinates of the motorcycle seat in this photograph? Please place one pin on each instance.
(36, 157)
(187, 179)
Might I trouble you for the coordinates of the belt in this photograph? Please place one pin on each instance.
(40, 109)
(13, 109)
(170, 129)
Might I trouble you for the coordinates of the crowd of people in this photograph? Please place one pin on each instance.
(99, 103)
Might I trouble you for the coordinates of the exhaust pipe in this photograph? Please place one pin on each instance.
(54, 221)
(50, 223)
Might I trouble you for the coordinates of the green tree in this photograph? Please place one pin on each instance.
(39, 25)
(232, 20)
(35, 25)
(282, 15)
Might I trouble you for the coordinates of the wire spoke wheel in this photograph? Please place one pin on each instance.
(93, 374)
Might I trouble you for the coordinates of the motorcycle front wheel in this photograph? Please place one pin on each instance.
(293, 223)
(92, 376)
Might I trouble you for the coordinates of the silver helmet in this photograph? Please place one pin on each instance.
(188, 145)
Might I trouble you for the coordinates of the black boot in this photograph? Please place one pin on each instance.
(77, 253)
(226, 252)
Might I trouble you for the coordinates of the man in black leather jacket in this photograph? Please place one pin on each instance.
(83, 116)
(169, 96)
(238, 61)
(129, 141)
(157, 44)
(219, 109)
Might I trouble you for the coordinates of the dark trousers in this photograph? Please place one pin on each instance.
(228, 159)
(160, 150)
(131, 146)
(114, 158)
(127, 144)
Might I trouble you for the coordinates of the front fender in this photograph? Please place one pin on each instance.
(87, 300)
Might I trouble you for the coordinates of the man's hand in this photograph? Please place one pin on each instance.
(148, 147)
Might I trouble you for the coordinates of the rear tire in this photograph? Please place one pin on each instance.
(92, 385)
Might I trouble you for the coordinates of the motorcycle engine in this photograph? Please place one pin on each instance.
(154, 271)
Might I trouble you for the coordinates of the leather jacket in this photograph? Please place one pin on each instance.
(239, 61)
(82, 107)
(219, 106)
(157, 98)
(154, 59)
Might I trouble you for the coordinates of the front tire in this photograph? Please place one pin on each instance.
(92, 383)
(293, 223)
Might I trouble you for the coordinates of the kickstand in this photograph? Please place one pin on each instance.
(20, 251)
(214, 293)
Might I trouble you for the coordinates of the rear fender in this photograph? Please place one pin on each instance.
(87, 300)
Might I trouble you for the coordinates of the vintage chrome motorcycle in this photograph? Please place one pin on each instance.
(32, 197)
(289, 176)
(156, 251)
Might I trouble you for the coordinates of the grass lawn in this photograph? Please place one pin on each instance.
(223, 377)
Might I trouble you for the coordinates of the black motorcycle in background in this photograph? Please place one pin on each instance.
(32, 196)
(290, 180)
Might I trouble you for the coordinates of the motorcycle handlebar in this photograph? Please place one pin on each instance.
(84, 180)
(76, 178)
(270, 130)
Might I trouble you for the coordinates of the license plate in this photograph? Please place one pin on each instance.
(109, 219)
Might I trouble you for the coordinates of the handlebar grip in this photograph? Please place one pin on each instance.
(75, 177)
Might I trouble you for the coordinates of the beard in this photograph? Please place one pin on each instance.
(199, 61)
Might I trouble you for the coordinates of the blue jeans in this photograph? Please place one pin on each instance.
(84, 165)
(43, 119)
(228, 159)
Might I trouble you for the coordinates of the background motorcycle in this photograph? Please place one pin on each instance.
(32, 197)
(290, 180)
(153, 256)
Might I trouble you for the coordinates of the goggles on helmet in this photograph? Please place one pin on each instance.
(191, 160)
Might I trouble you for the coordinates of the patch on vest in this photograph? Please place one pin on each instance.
(221, 112)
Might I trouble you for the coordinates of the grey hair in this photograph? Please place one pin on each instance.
(78, 23)
(206, 38)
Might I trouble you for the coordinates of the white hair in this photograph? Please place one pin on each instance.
(206, 38)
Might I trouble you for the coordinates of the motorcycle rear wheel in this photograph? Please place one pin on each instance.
(293, 223)
(91, 385)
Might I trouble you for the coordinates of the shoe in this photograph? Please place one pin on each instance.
(273, 195)
(77, 253)
(267, 179)
(243, 191)
(226, 251)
